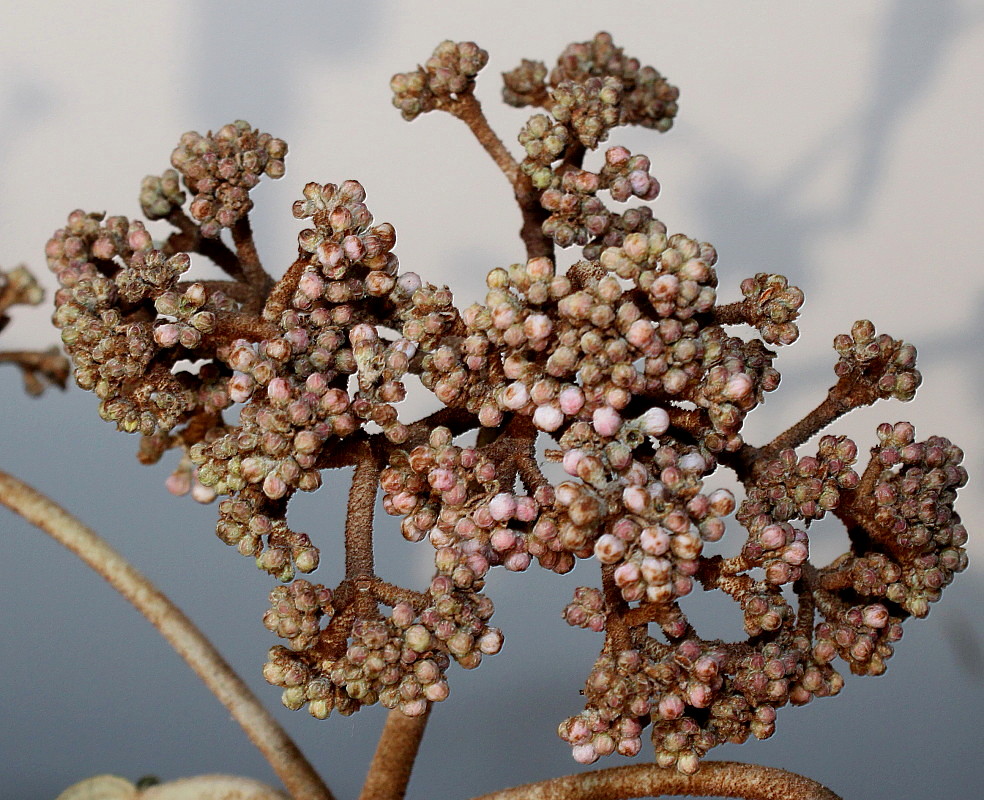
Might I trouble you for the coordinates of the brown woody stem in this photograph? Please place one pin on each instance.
(188, 239)
(389, 772)
(358, 524)
(468, 109)
(297, 775)
(249, 258)
(715, 778)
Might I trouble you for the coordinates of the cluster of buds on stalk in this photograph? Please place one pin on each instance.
(624, 369)
(18, 286)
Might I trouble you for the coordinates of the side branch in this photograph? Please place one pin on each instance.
(249, 258)
(297, 775)
(835, 405)
(468, 109)
(715, 779)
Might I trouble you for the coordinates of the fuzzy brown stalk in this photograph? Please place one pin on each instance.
(468, 109)
(716, 778)
(396, 751)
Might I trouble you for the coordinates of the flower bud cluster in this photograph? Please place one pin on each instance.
(649, 523)
(296, 612)
(646, 98)
(890, 363)
(434, 488)
(670, 685)
(577, 215)
(736, 374)
(184, 479)
(109, 274)
(622, 362)
(912, 505)
(788, 487)
(764, 609)
(525, 85)
(589, 109)
(449, 72)
(861, 635)
(587, 609)
(18, 286)
(220, 169)
(399, 661)
(773, 306)
(343, 235)
(160, 195)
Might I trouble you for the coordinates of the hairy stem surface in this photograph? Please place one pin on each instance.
(396, 752)
(715, 778)
(297, 775)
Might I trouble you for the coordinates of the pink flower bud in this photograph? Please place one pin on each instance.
(490, 642)
(517, 562)
(548, 418)
(179, 483)
(362, 333)
(654, 540)
(571, 459)
(515, 396)
(409, 282)
(772, 537)
(738, 387)
(584, 754)
(278, 390)
(875, 615)
(654, 422)
(796, 553)
(202, 494)
(167, 335)
(502, 539)
(671, 706)
(502, 506)
(274, 487)
(626, 573)
(640, 333)
(537, 326)
(606, 421)
(609, 549)
(635, 499)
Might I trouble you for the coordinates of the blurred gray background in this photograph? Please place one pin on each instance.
(838, 143)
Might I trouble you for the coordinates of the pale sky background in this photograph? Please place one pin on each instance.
(838, 143)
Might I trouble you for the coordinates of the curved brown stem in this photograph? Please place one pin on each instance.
(297, 775)
(188, 239)
(468, 109)
(715, 778)
(389, 772)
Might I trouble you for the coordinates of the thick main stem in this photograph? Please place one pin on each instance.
(297, 775)
(396, 752)
(715, 778)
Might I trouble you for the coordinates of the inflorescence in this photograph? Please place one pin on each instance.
(624, 363)
(39, 369)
